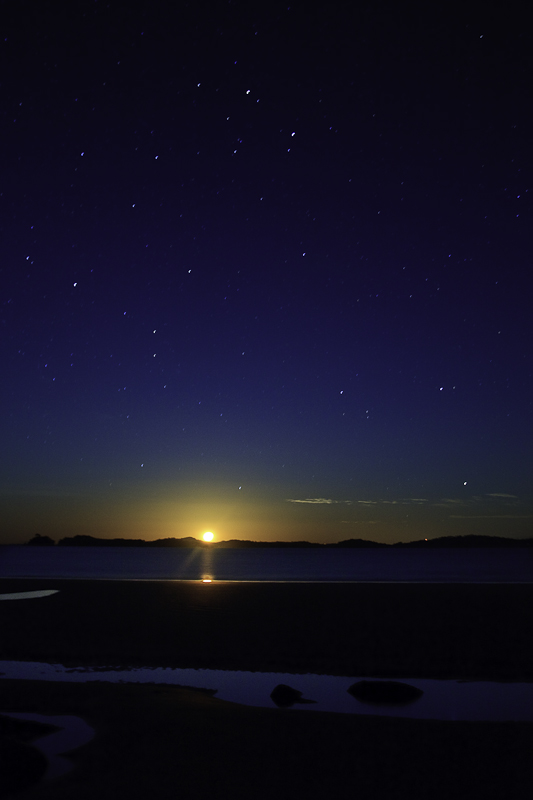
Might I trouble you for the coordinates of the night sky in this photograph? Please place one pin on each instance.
(266, 270)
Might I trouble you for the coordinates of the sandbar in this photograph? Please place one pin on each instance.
(462, 631)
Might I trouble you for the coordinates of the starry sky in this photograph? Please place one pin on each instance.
(265, 270)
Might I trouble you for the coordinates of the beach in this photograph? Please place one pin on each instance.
(160, 741)
(380, 630)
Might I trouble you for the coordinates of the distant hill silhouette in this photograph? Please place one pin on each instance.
(188, 541)
(41, 541)
(471, 540)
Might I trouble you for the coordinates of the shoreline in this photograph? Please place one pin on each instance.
(448, 700)
(388, 630)
(270, 581)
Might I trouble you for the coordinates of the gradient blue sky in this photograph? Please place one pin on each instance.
(266, 270)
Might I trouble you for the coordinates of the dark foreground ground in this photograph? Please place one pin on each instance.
(166, 742)
(387, 630)
(163, 742)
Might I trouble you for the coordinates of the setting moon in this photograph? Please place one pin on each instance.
(208, 536)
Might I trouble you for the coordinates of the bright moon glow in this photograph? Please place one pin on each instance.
(208, 537)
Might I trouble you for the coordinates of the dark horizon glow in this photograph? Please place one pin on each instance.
(266, 271)
(263, 517)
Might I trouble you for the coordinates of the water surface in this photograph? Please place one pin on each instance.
(473, 565)
(444, 700)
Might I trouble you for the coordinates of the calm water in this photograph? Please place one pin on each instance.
(447, 700)
(434, 566)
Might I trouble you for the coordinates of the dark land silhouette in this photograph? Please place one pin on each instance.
(189, 541)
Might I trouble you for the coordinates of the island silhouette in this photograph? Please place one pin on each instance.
(467, 541)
